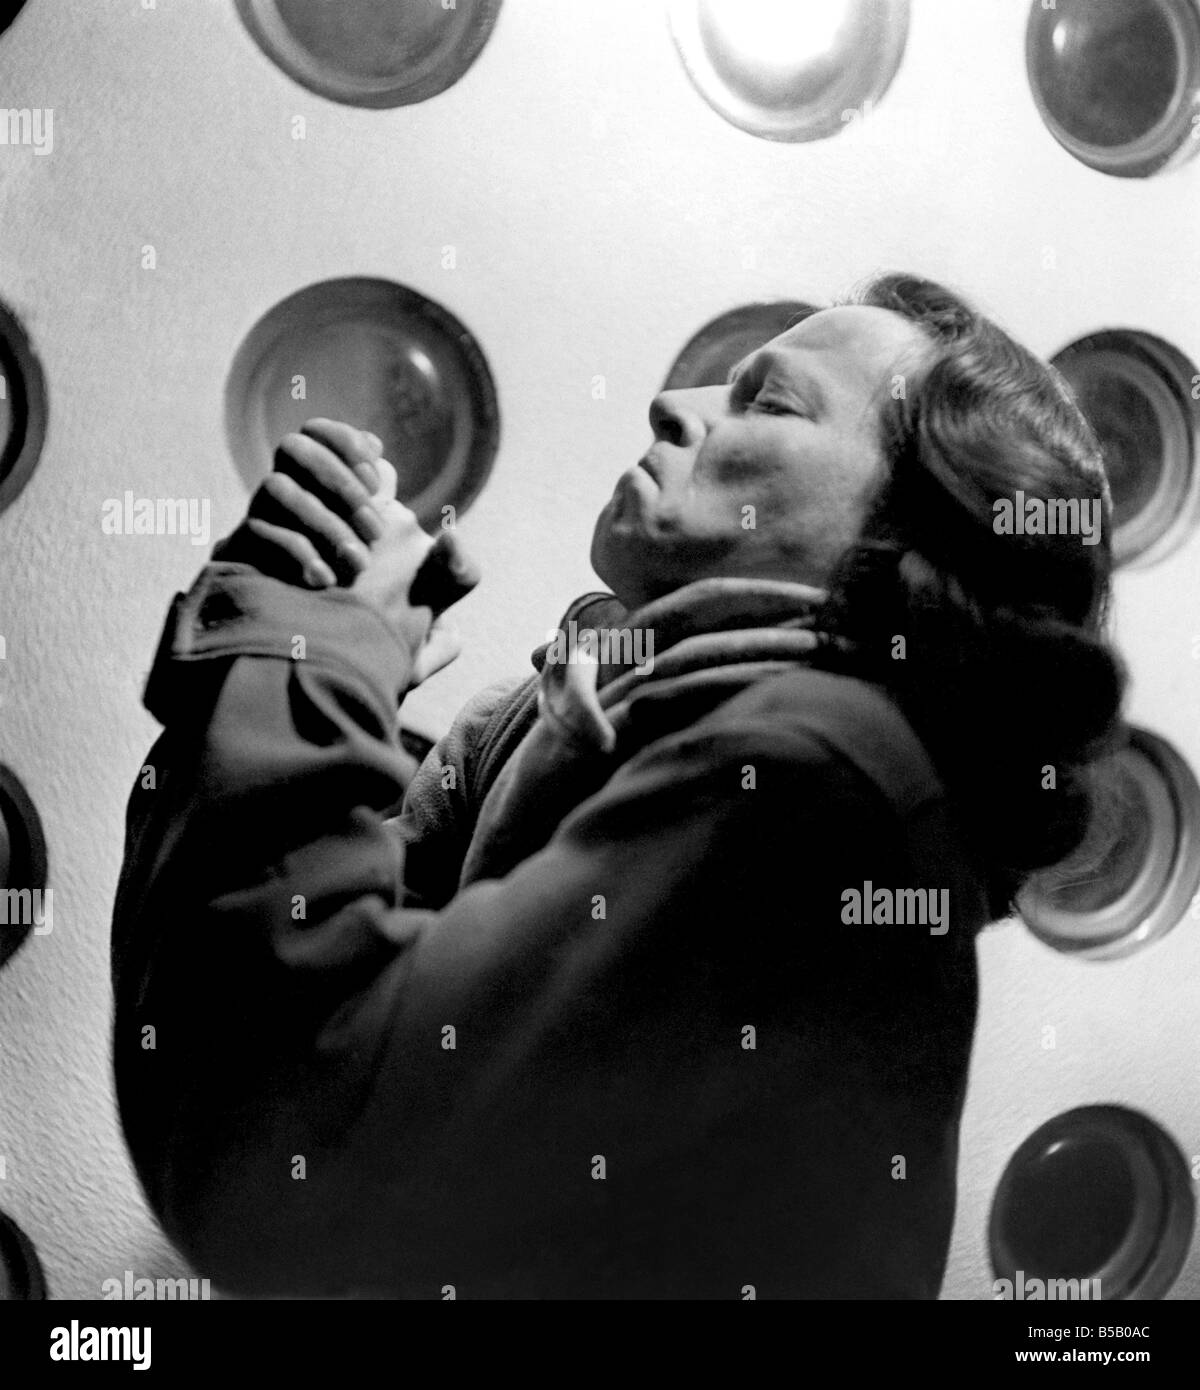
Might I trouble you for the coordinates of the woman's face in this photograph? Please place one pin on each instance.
(770, 476)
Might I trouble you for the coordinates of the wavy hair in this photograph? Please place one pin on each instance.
(1005, 670)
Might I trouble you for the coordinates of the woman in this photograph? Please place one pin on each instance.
(662, 982)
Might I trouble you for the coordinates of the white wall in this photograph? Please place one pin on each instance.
(600, 212)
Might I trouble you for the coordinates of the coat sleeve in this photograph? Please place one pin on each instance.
(540, 1087)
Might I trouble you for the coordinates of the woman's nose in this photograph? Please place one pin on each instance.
(683, 417)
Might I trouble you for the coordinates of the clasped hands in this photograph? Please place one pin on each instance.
(327, 516)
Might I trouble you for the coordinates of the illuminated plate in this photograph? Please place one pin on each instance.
(1117, 82)
(383, 358)
(22, 854)
(1138, 868)
(21, 1277)
(371, 52)
(708, 356)
(1136, 390)
(786, 70)
(1100, 1192)
(22, 408)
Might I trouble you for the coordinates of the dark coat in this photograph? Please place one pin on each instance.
(650, 1061)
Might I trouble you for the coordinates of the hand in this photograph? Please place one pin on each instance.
(410, 580)
(312, 518)
(328, 515)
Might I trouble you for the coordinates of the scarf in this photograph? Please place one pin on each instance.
(612, 680)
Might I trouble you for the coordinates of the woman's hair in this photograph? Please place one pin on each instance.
(1004, 670)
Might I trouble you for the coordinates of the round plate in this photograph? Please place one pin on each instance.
(1138, 869)
(22, 854)
(371, 52)
(1136, 390)
(21, 1276)
(783, 70)
(1100, 1193)
(23, 408)
(709, 355)
(1117, 82)
(383, 358)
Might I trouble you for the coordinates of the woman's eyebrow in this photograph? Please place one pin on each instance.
(777, 358)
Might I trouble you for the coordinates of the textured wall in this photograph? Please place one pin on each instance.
(601, 213)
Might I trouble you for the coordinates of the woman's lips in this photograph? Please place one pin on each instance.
(635, 489)
(639, 478)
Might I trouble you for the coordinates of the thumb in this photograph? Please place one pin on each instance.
(445, 575)
(388, 482)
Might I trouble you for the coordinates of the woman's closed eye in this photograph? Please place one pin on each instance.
(773, 405)
(764, 389)
(767, 397)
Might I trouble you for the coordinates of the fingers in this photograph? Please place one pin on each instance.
(388, 482)
(279, 552)
(336, 464)
(313, 494)
(446, 573)
(358, 449)
(288, 555)
(283, 503)
(328, 514)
